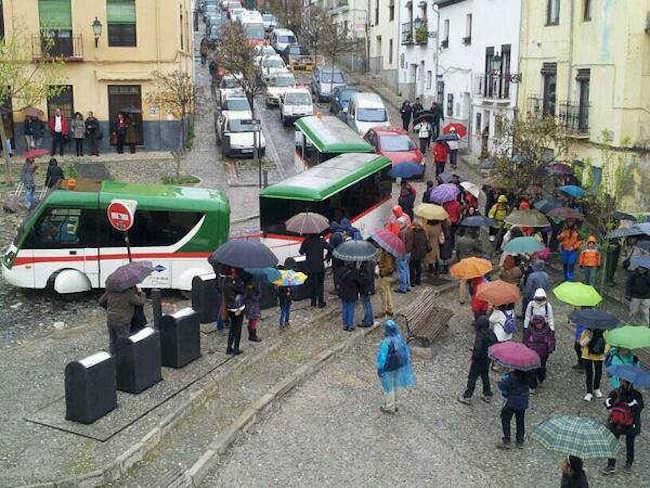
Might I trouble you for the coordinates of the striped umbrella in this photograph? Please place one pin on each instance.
(577, 436)
(389, 242)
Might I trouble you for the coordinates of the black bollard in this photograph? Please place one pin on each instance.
(156, 307)
(180, 338)
(138, 361)
(90, 388)
(204, 297)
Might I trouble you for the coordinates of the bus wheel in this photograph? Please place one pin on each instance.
(69, 281)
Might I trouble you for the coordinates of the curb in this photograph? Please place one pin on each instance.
(117, 468)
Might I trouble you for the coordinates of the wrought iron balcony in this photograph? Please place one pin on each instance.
(575, 117)
(407, 33)
(57, 45)
(492, 86)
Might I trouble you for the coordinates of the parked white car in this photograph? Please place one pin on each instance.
(365, 111)
(263, 50)
(281, 38)
(229, 86)
(276, 85)
(295, 103)
(234, 106)
(236, 134)
(271, 65)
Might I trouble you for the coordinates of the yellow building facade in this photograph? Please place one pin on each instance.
(112, 73)
(587, 62)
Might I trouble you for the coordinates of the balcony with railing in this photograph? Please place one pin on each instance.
(574, 117)
(492, 86)
(57, 45)
(421, 32)
(407, 33)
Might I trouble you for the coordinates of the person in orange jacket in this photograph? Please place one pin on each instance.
(590, 260)
(569, 245)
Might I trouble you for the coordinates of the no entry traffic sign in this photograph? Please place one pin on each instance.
(121, 214)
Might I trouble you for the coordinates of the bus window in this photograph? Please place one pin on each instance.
(64, 228)
(359, 197)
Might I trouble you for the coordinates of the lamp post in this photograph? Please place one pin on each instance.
(97, 30)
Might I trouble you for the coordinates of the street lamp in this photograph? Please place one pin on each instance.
(97, 30)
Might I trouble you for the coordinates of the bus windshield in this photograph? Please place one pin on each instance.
(254, 31)
(371, 115)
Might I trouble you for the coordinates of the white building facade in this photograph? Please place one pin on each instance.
(418, 50)
(384, 41)
(495, 68)
(353, 17)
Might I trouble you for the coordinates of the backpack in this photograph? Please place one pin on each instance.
(620, 415)
(596, 344)
(511, 325)
(393, 361)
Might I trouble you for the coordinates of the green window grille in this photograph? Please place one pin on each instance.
(55, 14)
(120, 11)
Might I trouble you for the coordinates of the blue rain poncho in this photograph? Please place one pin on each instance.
(401, 377)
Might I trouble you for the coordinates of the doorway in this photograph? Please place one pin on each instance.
(128, 100)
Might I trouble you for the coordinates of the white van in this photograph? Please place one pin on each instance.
(365, 111)
(281, 38)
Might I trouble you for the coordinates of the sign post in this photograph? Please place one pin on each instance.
(121, 215)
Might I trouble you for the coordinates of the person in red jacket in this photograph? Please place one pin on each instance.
(454, 209)
(59, 130)
(440, 151)
(479, 307)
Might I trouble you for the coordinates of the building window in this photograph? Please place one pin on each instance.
(391, 10)
(583, 103)
(450, 105)
(596, 176)
(440, 92)
(64, 100)
(182, 27)
(376, 12)
(445, 34)
(477, 130)
(552, 12)
(121, 17)
(467, 40)
(504, 79)
(586, 10)
(390, 52)
(126, 99)
(429, 79)
(2, 21)
(55, 22)
(549, 88)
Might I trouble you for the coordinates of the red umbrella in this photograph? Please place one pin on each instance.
(389, 242)
(460, 129)
(514, 355)
(35, 153)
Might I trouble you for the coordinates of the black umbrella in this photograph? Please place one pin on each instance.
(446, 137)
(593, 318)
(478, 221)
(427, 115)
(242, 253)
(355, 251)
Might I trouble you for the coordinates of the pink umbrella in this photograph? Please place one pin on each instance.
(35, 153)
(514, 355)
(389, 242)
(444, 193)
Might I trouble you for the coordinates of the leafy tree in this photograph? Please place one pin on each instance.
(25, 82)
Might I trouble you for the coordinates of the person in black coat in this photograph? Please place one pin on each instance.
(349, 294)
(316, 251)
(54, 174)
(480, 363)
(573, 474)
(426, 197)
(406, 199)
(366, 289)
(624, 397)
(405, 112)
(514, 387)
(233, 297)
(638, 290)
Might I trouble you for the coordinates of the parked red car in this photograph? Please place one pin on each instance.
(394, 143)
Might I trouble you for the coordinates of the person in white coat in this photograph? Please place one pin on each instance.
(503, 322)
(539, 305)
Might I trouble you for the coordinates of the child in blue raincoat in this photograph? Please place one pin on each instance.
(393, 365)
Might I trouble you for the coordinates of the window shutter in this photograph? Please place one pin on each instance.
(55, 14)
(120, 11)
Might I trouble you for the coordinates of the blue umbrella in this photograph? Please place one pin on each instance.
(406, 170)
(478, 221)
(593, 318)
(546, 205)
(640, 262)
(635, 375)
(523, 245)
(264, 274)
(243, 253)
(634, 230)
(573, 191)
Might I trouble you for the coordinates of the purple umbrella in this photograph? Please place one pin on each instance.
(444, 193)
(514, 355)
(128, 275)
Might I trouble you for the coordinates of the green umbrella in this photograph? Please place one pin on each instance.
(577, 436)
(629, 337)
(577, 294)
(523, 245)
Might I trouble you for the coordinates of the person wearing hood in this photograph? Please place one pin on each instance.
(402, 262)
(405, 112)
(54, 174)
(480, 362)
(393, 366)
(573, 473)
(419, 247)
(538, 278)
(386, 266)
(624, 403)
(569, 245)
(233, 298)
(349, 294)
(539, 333)
(637, 289)
(392, 224)
(498, 212)
(590, 260)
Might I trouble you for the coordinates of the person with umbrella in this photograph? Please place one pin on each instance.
(433, 229)
(514, 388)
(316, 251)
(233, 297)
(539, 334)
(252, 297)
(453, 146)
(480, 363)
(349, 294)
(637, 289)
(406, 199)
(423, 131)
(393, 366)
(590, 260)
(594, 349)
(537, 278)
(405, 112)
(619, 356)
(569, 244)
(624, 404)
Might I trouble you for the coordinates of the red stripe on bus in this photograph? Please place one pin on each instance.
(22, 260)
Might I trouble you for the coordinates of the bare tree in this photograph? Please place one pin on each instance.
(24, 82)
(312, 30)
(288, 12)
(337, 41)
(176, 94)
